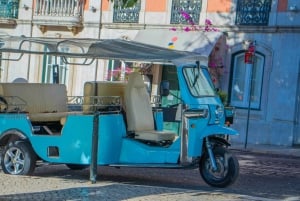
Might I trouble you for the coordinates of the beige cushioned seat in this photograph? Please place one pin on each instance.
(44, 102)
(101, 88)
(139, 112)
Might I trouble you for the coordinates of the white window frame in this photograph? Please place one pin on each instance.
(241, 85)
(49, 61)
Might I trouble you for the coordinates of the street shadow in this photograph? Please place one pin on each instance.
(108, 192)
(259, 177)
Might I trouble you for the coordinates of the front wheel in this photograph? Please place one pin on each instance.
(18, 158)
(227, 168)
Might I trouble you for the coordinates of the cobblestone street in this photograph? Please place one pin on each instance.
(262, 177)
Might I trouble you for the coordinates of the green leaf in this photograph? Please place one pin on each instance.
(127, 3)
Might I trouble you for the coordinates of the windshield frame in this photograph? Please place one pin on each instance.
(201, 85)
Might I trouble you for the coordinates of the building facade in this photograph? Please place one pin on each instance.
(266, 95)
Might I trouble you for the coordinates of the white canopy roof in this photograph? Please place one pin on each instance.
(90, 49)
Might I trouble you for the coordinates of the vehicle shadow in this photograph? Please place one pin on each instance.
(259, 177)
(107, 192)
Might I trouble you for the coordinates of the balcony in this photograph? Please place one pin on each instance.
(192, 7)
(9, 11)
(126, 15)
(57, 13)
(252, 13)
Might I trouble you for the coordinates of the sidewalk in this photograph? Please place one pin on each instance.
(267, 149)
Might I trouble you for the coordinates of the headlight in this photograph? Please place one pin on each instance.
(219, 112)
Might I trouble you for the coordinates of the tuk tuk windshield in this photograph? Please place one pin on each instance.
(198, 81)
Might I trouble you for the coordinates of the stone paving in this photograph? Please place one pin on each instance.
(57, 188)
(57, 182)
(74, 186)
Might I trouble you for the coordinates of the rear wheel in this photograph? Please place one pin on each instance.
(18, 158)
(227, 168)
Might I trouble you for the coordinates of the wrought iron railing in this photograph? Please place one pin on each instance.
(253, 12)
(65, 8)
(9, 9)
(192, 7)
(126, 15)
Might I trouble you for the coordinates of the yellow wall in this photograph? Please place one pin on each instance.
(105, 5)
(218, 5)
(156, 5)
(86, 4)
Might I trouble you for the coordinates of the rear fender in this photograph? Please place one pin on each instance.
(11, 135)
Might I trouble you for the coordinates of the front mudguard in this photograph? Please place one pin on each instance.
(218, 130)
(210, 131)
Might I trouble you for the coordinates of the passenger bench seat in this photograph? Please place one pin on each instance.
(44, 102)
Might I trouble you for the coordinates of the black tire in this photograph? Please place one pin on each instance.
(224, 176)
(18, 158)
(76, 166)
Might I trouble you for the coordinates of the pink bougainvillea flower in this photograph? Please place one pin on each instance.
(212, 64)
(173, 29)
(207, 29)
(208, 22)
(191, 22)
(185, 15)
(187, 29)
(128, 70)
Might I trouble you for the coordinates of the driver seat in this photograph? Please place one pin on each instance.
(139, 112)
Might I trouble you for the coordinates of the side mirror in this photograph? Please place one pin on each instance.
(164, 88)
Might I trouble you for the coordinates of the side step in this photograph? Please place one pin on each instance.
(145, 165)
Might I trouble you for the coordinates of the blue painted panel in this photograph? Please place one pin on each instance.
(74, 144)
(196, 127)
(17, 122)
(135, 152)
(158, 119)
(111, 133)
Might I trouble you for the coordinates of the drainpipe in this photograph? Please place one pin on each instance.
(99, 34)
(31, 31)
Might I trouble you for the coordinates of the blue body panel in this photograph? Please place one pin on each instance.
(14, 122)
(134, 152)
(74, 143)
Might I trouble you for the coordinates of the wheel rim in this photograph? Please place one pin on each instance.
(221, 169)
(14, 160)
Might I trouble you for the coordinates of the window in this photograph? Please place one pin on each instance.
(54, 67)
(126, 15)
(118, 71)
(253, 12)
(192, 7)
(198, 80)
(241, 85)
(9, 8)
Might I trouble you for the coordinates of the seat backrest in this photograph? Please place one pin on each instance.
(39, 98)
(137, 101)
(101, 88)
